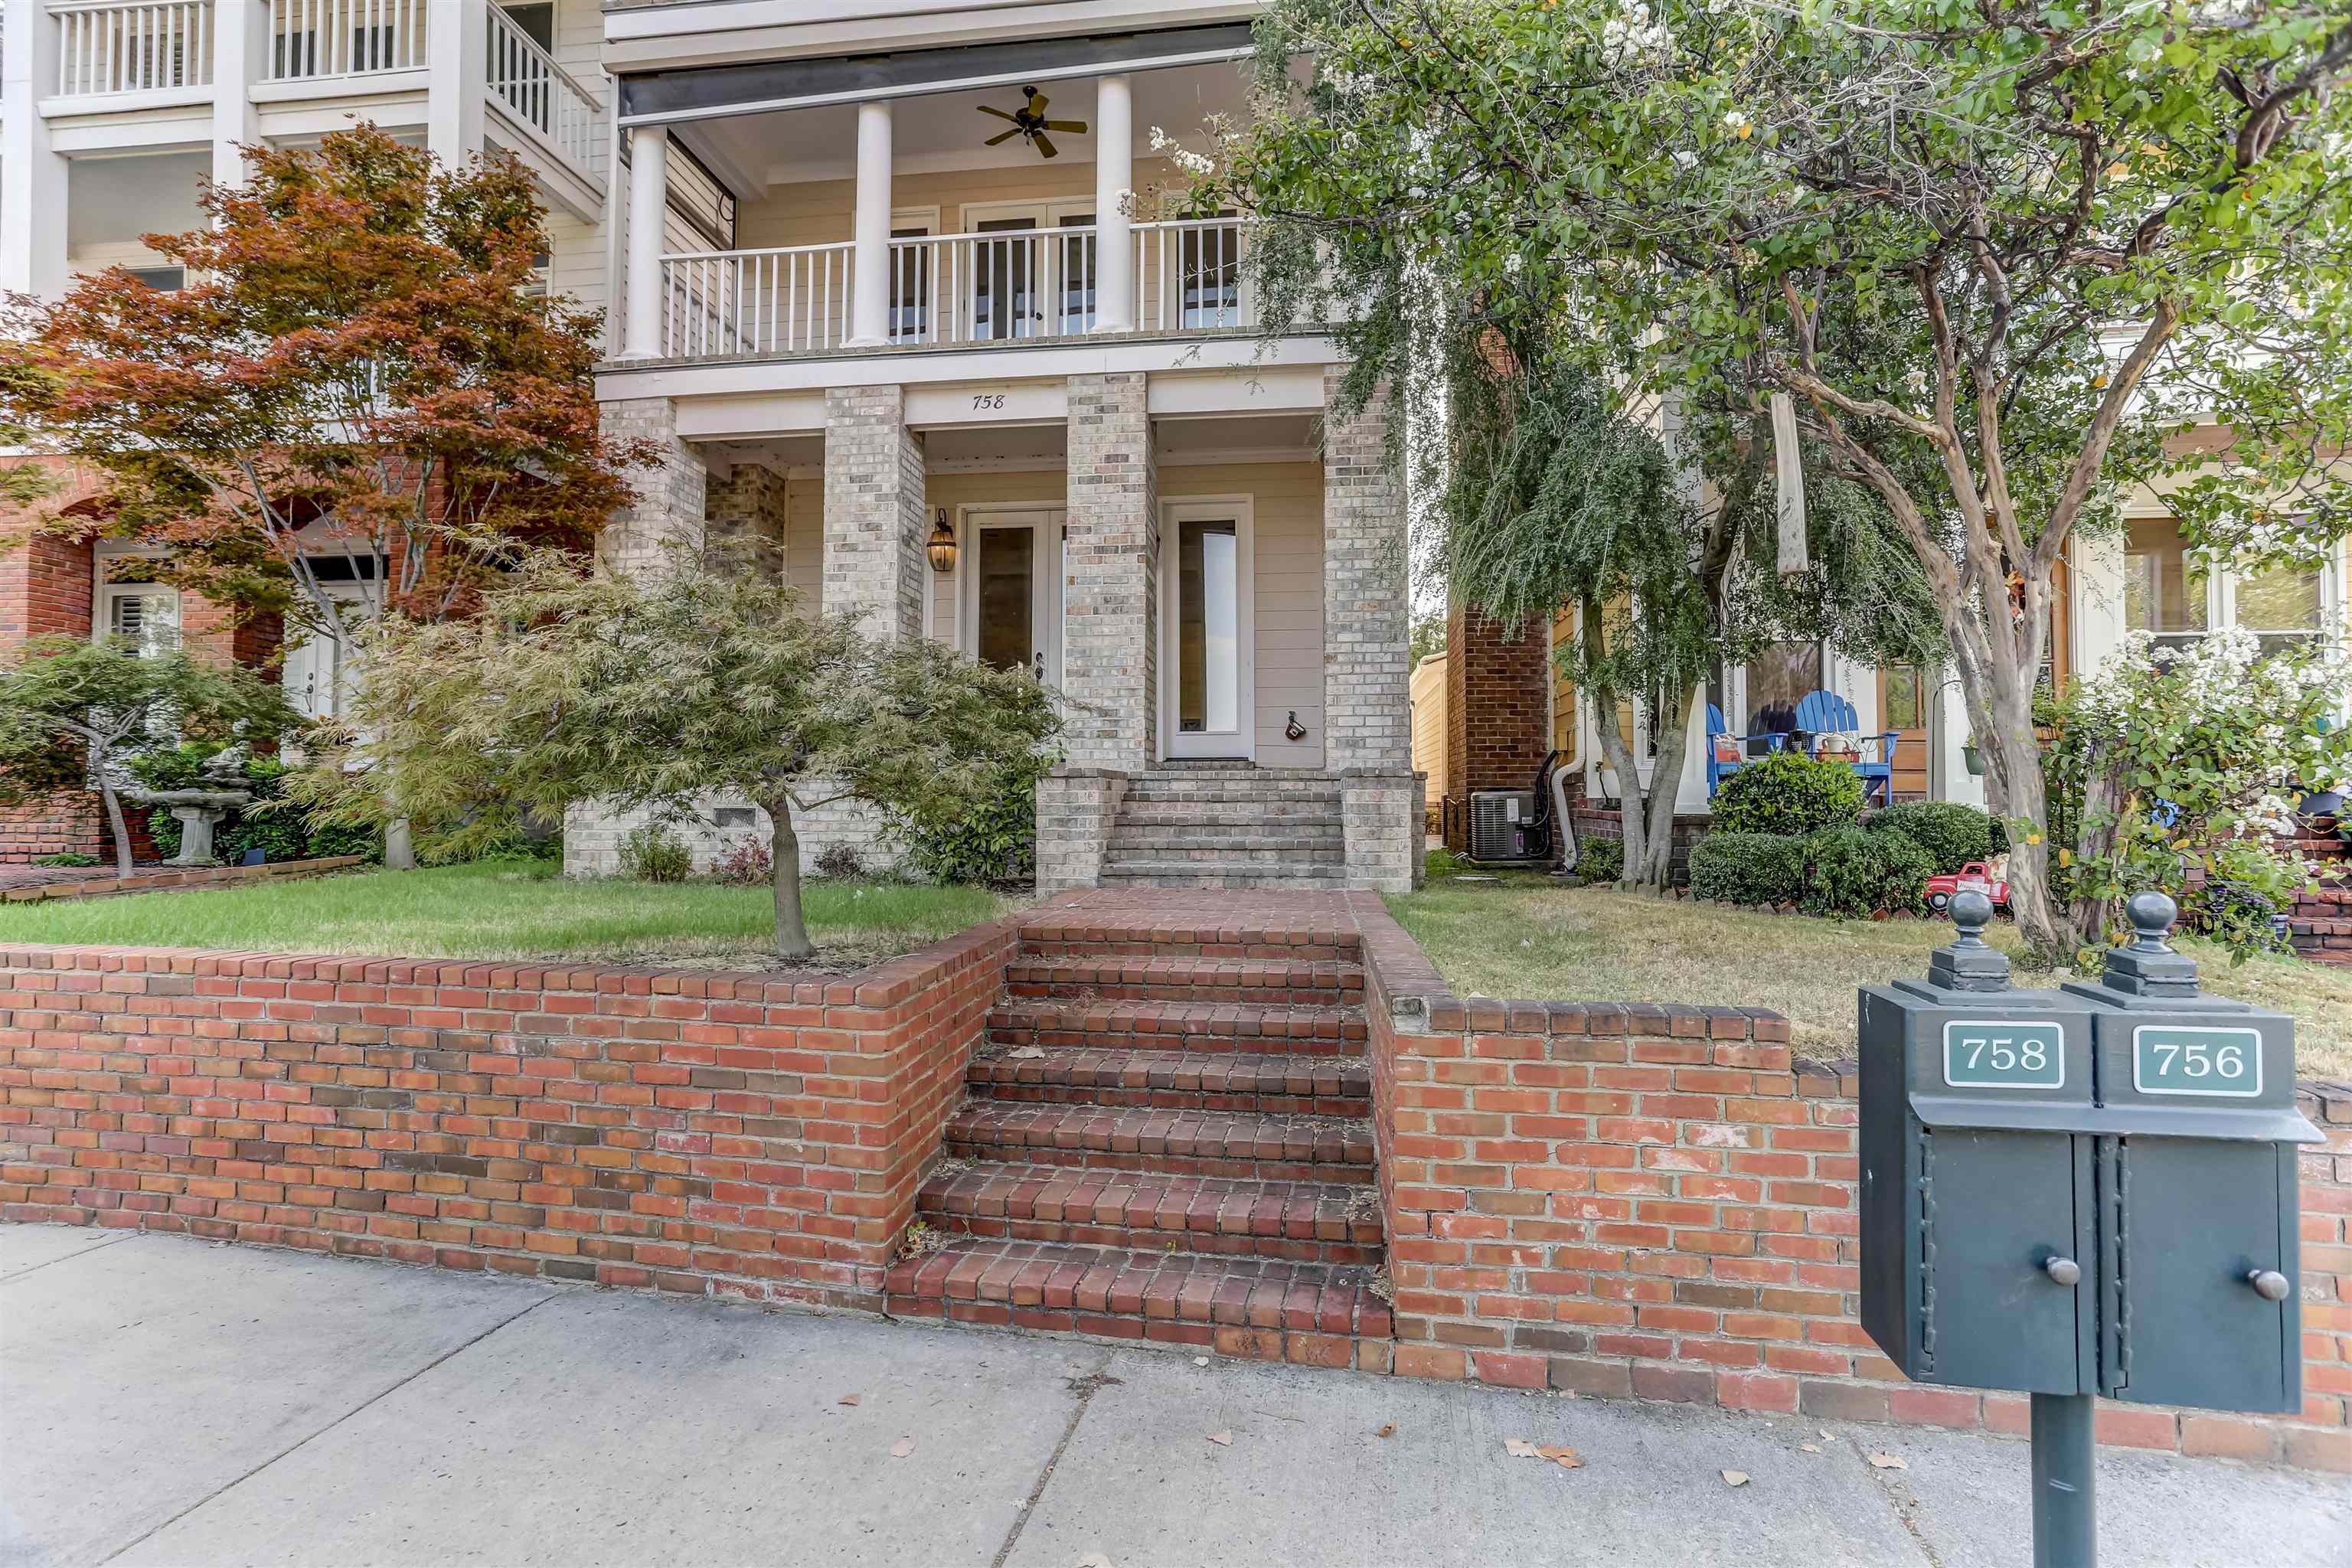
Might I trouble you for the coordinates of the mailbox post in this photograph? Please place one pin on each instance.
(2080, 1192)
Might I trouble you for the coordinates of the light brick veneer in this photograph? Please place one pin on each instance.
(668, 508)
(875, 518)
(1367, 669)
(593, 836)
(1076, 809)
(746, 511)
(1110, 638)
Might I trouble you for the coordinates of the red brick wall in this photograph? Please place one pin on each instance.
(1498, 710)
(688, 1131)
(1659, 1202)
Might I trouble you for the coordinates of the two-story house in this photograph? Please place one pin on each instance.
(933, 337)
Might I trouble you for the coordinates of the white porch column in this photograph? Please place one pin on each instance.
(32, 174)
(869, 293)
(1114, 192)
(457, 50)
(240, 58)
(648, 204)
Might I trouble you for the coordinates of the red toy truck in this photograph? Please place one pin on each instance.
(1976, 876)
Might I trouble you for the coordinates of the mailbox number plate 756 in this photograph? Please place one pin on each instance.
(2171, 1061)
(2004, 1053)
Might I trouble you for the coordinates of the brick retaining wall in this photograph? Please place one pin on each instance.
(1659, 1202)
(699, 1132)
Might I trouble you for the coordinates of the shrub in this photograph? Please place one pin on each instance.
(1789, 794)
(71, 858)
(1952, 833)
(1748, 868)
(994, 843)
(1600, 860)
(654, 854)
(749, 862)
(840, 863)
(1852, 871)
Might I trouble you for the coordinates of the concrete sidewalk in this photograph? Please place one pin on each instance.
(166, 1401)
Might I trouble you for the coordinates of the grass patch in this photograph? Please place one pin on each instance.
(515, 911)
(1530, 936)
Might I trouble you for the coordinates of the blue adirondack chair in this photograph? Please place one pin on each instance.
(1718, 768)
(1822, 711)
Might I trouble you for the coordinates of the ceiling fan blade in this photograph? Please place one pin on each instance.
(1045, 145)
(1001, 136)
(1037, 101)
(1075, 127)
(1000, 113)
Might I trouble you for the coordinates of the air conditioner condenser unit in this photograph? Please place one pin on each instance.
(1503, 827)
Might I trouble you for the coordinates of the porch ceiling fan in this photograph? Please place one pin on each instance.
(1030, 120)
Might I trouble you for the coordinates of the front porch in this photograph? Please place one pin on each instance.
(1218, 593)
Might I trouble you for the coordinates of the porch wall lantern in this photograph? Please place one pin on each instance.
(942, 545)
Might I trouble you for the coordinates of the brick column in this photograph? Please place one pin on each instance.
(874, 518)
(746, 512)
(1498, 724)
(1367, 672)
(668, 508)
(1110, 640)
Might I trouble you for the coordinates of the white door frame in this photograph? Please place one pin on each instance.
(1210, 509)
(1045, 567)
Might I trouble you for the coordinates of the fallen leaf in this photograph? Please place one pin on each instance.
(902, 1447)
(1887, 1462)
(1221, 1439)
(1199, 1361)
(1387, 1431)
(1811, 1447)
(1824, 1433)
(1734, 1478)
(1518, 1448)
(848, 1399)
(1566, 1458)
(1026, 1053)
(1093, 1560)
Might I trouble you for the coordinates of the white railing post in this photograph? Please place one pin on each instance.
(457, 54)
(1114, 197)
(32, 174)
(869, 293)
(240, 58)
(648, 206)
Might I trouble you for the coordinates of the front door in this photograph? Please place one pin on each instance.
(1009, 608)
(1208, 655)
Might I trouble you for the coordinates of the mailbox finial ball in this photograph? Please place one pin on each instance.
(2152, 915)
(1971, 913)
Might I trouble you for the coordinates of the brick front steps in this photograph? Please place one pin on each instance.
(1167, 1137)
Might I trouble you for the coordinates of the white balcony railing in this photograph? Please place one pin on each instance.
(311, 39)
(793, 300)
(528, 86)
(106, 47)
(956, 288)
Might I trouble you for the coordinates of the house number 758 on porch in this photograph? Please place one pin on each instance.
(2006, 1053)
(987, 400)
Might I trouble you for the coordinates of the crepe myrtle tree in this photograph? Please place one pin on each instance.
(71, 711)
(1993, 252)
(363, 364)
(656, 690)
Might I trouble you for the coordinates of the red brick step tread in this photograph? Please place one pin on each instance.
(1187, 1142)
(1177, 1026)
(1204, 1081)
(1306, 1221)
(1263, 1309)
(1113, 976)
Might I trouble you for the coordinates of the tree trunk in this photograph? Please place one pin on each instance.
(784, 847)
(2093, 910)
(399, 845)
(2013, 756)
(1666, 794)
(115, 819)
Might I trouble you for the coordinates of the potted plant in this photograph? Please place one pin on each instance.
(1972, 759)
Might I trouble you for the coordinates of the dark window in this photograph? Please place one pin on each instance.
(162, 280)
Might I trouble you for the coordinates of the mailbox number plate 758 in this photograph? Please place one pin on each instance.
(2004, 1053)
(2171, 1061)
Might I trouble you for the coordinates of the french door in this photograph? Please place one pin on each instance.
(1208, 655)
(1009, 610)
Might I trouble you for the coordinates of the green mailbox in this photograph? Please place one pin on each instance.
(2085, 1191)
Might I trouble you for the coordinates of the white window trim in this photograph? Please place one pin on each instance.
(101, 623)
(973, 516)
(1241, 511)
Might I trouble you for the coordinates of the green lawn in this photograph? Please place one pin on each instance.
(1529, 936)
(514, 911)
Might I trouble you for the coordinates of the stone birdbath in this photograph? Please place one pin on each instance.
(199, 810)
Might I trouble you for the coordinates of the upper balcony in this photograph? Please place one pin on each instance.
(930, 204)
(307, 65)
